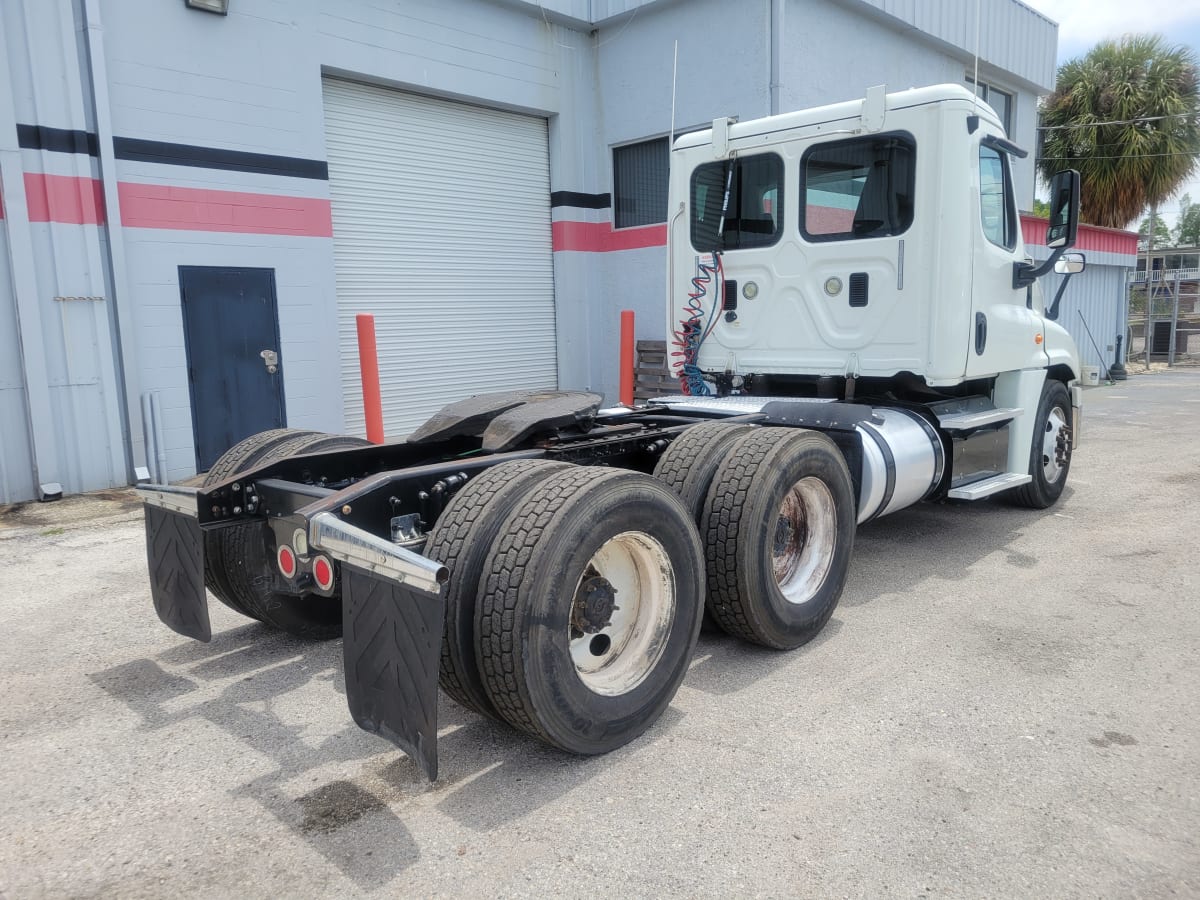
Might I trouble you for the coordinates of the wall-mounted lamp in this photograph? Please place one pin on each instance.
(220, 7)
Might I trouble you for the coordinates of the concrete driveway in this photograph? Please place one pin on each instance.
(1006, 703)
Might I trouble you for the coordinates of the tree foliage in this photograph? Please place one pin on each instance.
(1162, 234)
(1187, 229)
(1127, 116)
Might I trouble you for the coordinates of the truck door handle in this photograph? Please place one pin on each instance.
(980, 333)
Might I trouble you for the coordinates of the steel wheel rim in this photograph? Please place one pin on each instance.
(805, 537)
(1056, 423)
(616, 658)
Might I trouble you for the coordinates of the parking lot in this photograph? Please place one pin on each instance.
(1004, 704)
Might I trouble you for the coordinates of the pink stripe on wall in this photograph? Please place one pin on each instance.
(64, 198)
(599, 237)
(1090, 237)
(196, 209)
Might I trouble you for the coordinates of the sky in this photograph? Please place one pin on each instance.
(1082, 23)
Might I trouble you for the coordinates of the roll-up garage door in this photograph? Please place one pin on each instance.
(441, 228)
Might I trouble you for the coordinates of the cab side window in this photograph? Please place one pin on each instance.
(996, 207)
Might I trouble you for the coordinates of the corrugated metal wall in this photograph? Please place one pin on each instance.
(16, 463)
(1012, 36)
(1094, 299)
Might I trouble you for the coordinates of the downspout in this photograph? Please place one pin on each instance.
(125, 348)
(776, 53)
(34, 369)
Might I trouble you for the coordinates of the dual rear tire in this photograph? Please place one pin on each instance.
(583, 591)
(576, 593)
(776, 515)
(239, 566)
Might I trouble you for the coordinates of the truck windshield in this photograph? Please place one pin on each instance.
(754, 214)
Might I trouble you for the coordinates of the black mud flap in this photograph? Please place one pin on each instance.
(392, 643)
(175, 553)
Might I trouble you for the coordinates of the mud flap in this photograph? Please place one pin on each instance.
(392, 643)
(175, 554)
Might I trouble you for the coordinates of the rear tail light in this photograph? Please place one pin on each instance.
(322, 570)
(286, 560)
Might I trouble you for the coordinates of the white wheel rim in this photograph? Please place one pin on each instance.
(1051, 467)
(617, 657)
(805, 536)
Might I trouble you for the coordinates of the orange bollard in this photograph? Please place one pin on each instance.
(368, 365)
(626, 376)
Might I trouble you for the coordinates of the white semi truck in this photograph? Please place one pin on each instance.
(855, 327)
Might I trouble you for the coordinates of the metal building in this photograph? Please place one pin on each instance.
(1095, 304)
(195, 205)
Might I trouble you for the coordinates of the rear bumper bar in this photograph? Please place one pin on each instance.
(392, 614)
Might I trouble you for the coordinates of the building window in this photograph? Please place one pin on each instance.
(754, 214)
(996, 207)
(1000, 101)
(640, 183)
(860, 188)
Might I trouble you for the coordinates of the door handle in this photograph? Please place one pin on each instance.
(980, 333)
(271, 360)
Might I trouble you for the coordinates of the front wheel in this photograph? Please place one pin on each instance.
(1050, 453)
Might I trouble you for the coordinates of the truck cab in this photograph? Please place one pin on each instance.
(865, 250)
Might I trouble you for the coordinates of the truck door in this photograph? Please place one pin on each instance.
(857, 207)
(1004, 331)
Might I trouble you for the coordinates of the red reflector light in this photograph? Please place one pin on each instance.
(323, 573)
(287, 561)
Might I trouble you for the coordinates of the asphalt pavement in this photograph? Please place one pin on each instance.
(1005, 704)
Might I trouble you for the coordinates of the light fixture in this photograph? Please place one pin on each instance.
(220, 7)
(750, 290)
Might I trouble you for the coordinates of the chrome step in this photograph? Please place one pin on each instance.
(977, 490)
(969, 420)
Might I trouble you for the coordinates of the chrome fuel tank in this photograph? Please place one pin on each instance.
(903, 462)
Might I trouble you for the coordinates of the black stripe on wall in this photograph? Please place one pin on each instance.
(137, 150)
(60, 140)
(583, 201)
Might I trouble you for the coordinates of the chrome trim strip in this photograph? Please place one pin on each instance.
(977, 490)
(348, 544)
(965, 421)
(168, 496)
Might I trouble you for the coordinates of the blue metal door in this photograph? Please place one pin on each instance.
(231, 333)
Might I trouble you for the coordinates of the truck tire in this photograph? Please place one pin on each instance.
(462, 540)
(250, 565)
(778, 529)
(566, 654)
(689, 464)
(245, 454)
(1050, 454)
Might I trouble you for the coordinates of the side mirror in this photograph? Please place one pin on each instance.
(1064, 210)
(1067, 264)
(1070, 264)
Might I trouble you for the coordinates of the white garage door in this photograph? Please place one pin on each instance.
(441, 228)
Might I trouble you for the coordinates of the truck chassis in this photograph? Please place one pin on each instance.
(519, 548)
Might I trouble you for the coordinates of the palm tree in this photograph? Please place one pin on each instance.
(1127, 116)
